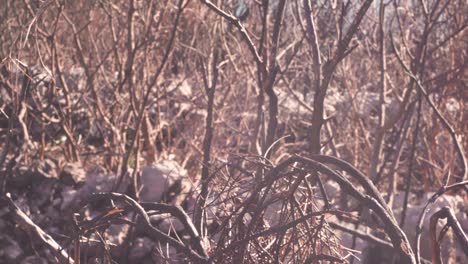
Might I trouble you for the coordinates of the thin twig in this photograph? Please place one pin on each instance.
(445, 123)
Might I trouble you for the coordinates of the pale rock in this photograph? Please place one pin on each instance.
(73, 173)
(96, 181)
(163, 181)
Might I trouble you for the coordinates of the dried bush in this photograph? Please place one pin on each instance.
(266, 111)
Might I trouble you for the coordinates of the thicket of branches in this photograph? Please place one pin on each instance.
(262, 112)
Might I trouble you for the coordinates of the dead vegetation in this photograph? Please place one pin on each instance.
(173, 131)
